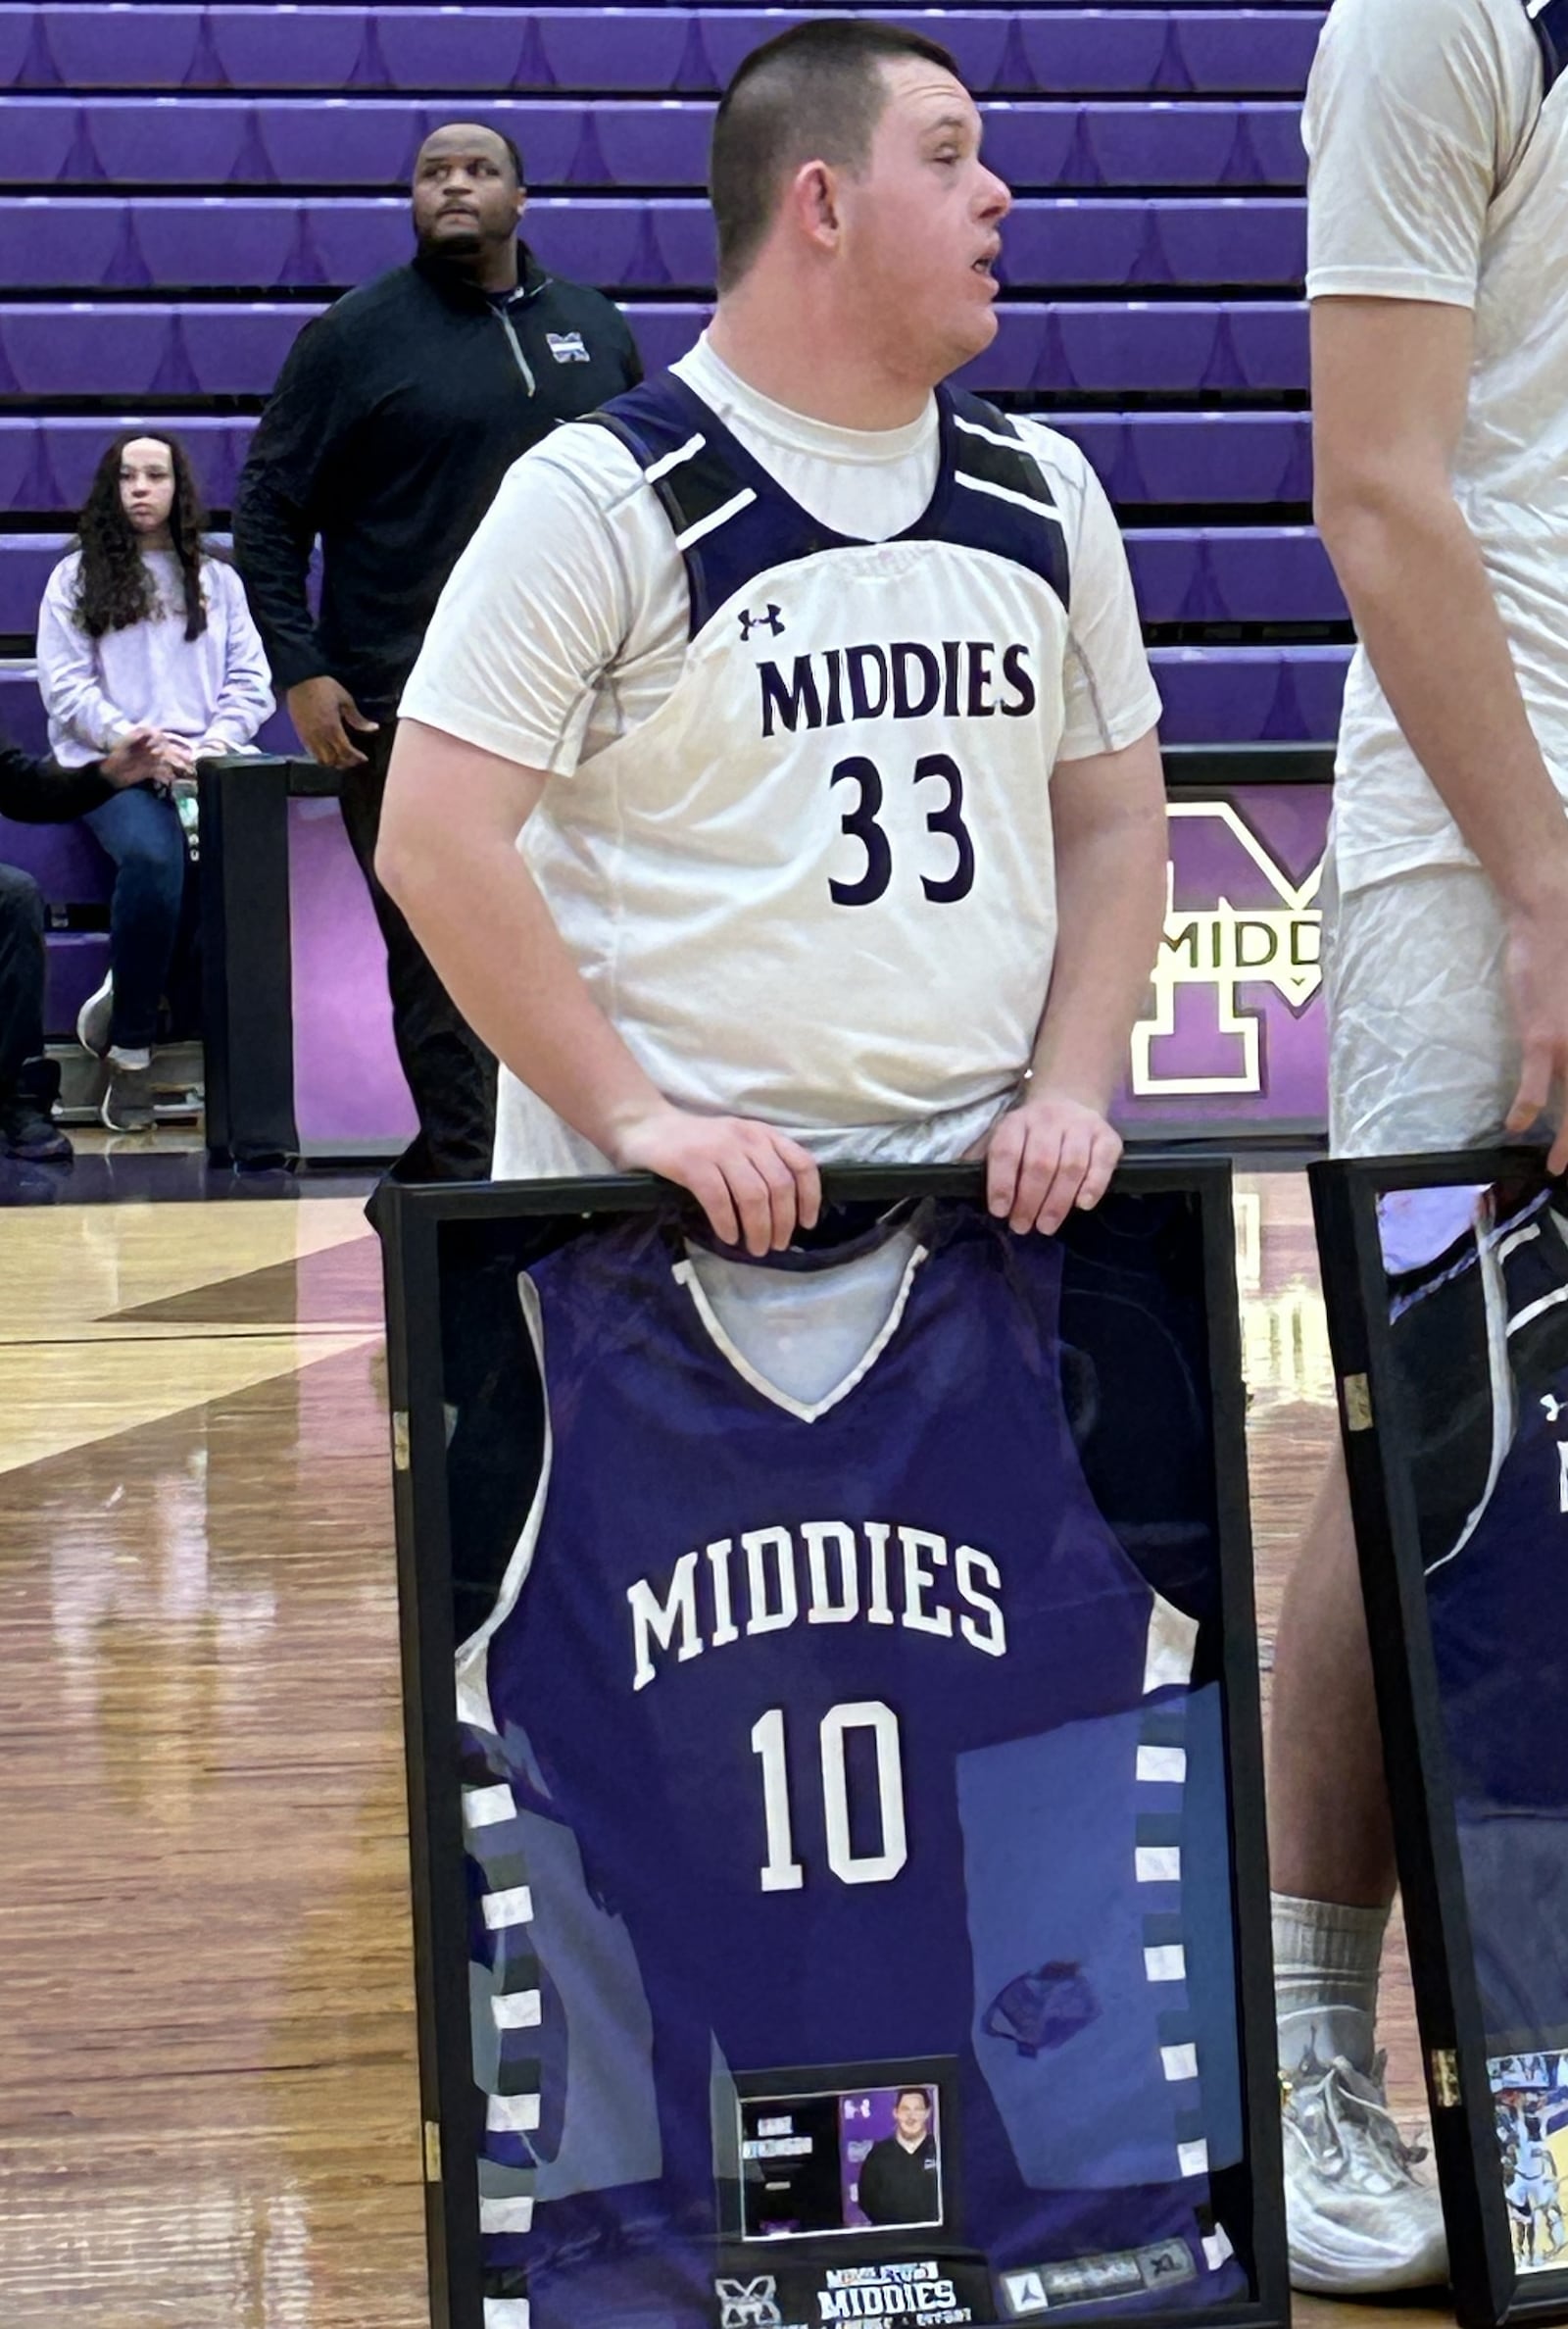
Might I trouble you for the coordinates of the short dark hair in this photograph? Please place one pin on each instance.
(924, 2094)
(491, 130)
(815, 93)
(514, 154)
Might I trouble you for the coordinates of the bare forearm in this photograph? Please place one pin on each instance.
(477, 911)
(447, 853)
(1423, 607)
(1111, 886)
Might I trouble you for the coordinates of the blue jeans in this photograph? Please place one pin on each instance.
(141, 831)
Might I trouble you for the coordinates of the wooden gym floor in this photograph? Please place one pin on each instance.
(208, 2108)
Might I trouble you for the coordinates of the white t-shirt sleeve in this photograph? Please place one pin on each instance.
(537, 608)
(1415, 113)
(1110, 695)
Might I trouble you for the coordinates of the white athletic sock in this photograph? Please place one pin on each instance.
(123, 1056)
(1326, 1960)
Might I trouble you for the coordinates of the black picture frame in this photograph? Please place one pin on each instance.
(247, 1013)
(247, 963)
(1489, 2289)
(412, 1223)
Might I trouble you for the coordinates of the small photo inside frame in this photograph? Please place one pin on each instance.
(834, 1760)
(1446, 1283)
(857, 2152)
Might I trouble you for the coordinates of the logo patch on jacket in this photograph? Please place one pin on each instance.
(566, 347)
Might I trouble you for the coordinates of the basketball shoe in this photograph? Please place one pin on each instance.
(1361, 2221)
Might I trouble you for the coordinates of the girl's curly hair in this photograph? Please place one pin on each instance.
(114, 588)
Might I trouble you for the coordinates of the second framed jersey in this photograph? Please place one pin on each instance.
(833, 1744)
(1447, 1291)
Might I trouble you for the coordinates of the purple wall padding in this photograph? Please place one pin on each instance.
(1237, 1034)
(347, 1085)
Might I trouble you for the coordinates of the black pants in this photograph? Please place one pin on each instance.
(21, 976)
(449, 1074)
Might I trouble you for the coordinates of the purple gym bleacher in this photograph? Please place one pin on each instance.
(72, 243)
(1222, 456)
(649, 143)
(1105, 52)
(1212, 694)
(178, 348)
(1182, 575)
(182, 188)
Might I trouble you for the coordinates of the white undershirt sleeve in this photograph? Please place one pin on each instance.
(537, 608)
(1109, 696)
(1415, 115)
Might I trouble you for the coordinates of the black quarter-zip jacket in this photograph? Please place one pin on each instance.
(394, 420)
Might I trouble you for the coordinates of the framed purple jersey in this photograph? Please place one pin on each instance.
(1447, 1286)
(838, 1872)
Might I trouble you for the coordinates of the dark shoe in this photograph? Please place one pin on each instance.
(28, 1130)
(92, 1019)
(128, 1103)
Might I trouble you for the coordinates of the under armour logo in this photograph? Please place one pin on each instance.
(749, 2304)
(770, 619)
(1553, 1407)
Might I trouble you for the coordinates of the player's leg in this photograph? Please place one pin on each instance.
(1331, 1835)
(1422, 1057)
(28, 1081)
(449, 1074)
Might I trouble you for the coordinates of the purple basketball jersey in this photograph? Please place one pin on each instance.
(818, 1743)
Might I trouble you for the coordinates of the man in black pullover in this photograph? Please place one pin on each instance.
(393, 422)
(38, 792)
(899, 2180)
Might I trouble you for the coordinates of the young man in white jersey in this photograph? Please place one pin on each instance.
(1437, 273)
(820, 701)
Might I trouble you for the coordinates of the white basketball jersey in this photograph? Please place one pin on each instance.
(818, 887)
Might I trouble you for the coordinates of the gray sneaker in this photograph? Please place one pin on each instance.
(127, 1102)
(1361, 2221)
(92, 1019)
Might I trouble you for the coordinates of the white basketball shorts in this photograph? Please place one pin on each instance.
(1422, 1050)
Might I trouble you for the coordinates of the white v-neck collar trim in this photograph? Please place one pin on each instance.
(685, 1275)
